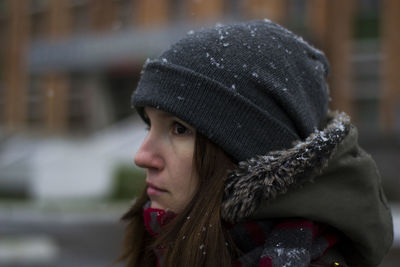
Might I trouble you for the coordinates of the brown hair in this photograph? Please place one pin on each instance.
(195, 237)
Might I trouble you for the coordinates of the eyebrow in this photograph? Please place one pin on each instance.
(166, 115)
(160, 112)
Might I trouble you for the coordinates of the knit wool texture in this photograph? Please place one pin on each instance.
(250, 87)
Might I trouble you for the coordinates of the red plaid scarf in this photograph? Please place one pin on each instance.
(264, 243)
(287, 243)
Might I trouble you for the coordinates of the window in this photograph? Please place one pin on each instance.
(77, 104)
(35, 103)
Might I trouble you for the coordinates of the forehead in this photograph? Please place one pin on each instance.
(150, 111)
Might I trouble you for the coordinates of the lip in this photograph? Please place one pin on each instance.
(154, 190)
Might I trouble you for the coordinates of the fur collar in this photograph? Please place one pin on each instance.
(265, 177)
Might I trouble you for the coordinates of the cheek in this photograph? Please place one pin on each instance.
(185, 188)
(183, 155)
(185, 183)
(183, 170)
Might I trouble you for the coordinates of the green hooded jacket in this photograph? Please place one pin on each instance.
(326, 178)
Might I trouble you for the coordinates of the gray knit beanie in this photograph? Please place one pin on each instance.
(251, 87)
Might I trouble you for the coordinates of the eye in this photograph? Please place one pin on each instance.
(179, 129)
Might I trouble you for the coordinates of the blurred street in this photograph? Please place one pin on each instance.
(60, 238)
(57, 236)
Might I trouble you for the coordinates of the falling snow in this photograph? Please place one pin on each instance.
(272, 65)
(216, 63)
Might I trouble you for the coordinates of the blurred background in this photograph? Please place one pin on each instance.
(68, 134)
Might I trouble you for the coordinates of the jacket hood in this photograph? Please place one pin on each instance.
(326, 178)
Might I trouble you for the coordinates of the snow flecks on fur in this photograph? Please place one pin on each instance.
(264, 177)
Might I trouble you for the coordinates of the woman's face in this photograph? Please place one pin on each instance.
(167, 155)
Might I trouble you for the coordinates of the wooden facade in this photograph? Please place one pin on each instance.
(331, 24)
(390, 104)
(15, 72)
(328, 22)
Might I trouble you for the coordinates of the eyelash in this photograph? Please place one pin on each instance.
(174, 124)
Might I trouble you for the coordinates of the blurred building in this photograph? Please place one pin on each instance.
(69, 67)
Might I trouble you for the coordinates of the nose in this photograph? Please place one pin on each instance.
(149, 155)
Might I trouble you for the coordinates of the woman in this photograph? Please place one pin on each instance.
(244, 164)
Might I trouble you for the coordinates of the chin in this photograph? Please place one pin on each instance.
(156, 205)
